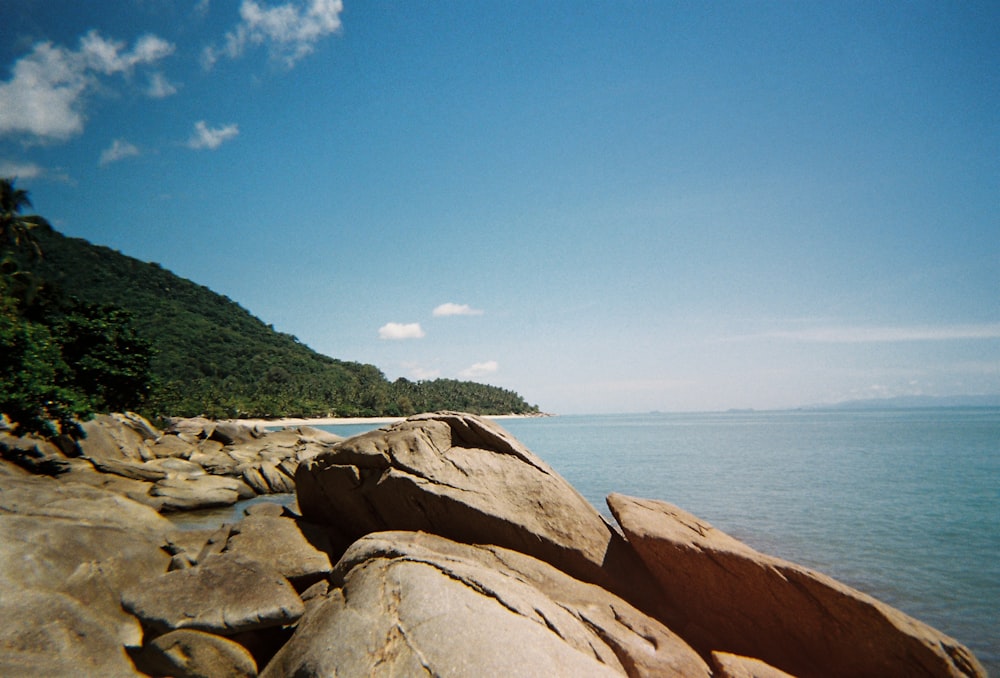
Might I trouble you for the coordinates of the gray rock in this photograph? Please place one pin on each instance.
(47, 633)
(467, 479)
(224, 594)
(187, 653)
(736, 600)
(415, 603)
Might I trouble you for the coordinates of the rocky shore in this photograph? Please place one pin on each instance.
(437, 545)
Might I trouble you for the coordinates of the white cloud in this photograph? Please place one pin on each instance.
(479, 369)
(44, 97)
(119, 150)
(160, 87)
(455, 309)
(211, 137)
(861, 335)
(20, 170)
(290, 30)
(401, 331)
(421, 373)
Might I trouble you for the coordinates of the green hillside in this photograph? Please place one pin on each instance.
(213, 357)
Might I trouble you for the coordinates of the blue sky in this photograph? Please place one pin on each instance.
(605, 206)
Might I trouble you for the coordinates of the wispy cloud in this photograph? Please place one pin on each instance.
(119, 150)
(45, 96)
(421, 373)
(862, 335)
(211, 137)
(290, 30)
(397, 331)
(21, 170)
(479, 369)
(455, 309)
(160, 87)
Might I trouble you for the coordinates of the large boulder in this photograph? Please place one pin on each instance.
(467, 479)
(405, 603)
(224, 594)
(737, 600)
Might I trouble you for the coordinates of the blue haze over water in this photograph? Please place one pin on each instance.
(901, 504)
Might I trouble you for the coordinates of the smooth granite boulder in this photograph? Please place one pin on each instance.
(297, 550)
(467, 479)
(405, 603)
(46, 633)
(737, 600)
(187, 653)
(224, 594)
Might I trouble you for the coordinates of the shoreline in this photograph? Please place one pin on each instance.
(288, 422)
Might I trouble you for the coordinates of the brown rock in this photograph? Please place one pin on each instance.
(79, 541)
(172, 446)
(187, 653)
(737, 600)
(224, 594)
(116, 436)
(467, 479)
(198, 492)
(734, 666)
(46, 633)
(297, 550)
(414, 603)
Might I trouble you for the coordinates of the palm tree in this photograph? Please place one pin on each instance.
(16, 229)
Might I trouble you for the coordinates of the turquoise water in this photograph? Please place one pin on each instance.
(902, 504)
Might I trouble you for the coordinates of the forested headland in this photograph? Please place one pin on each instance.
(118, 332)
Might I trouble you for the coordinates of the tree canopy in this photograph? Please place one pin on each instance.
(134, 335)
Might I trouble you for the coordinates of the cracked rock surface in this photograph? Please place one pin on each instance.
(465, 478)
(419, 604)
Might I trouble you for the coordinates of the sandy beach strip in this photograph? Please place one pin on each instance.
(337, 421)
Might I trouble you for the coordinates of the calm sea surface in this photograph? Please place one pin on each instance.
(904, 505)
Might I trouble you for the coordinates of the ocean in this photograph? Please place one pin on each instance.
(901, 504)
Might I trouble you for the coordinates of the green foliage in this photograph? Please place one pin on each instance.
(212, 357)
(33, 377)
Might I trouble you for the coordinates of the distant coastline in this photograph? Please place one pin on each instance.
(337, 421)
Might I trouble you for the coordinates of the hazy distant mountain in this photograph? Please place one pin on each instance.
(913, 402)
